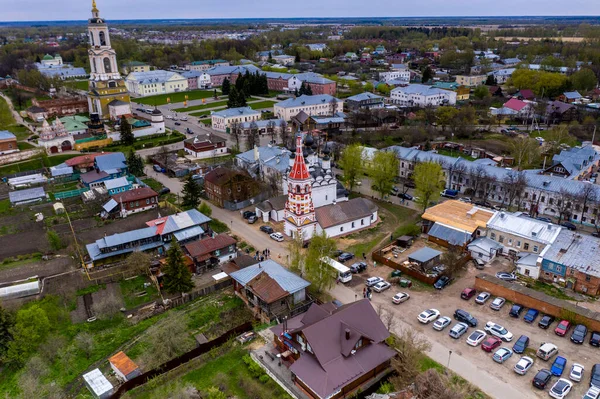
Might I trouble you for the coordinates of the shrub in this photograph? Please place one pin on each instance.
(264, 378)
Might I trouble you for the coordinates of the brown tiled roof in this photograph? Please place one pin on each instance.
(266, 288)
(220, 176)
(343, 212)
(82, 159)
(135, 195)
(123, 363)
(208, 245)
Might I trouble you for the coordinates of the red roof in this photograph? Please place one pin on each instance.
(299, 170)
(515, 104)
(209, 245)
(135, 194)
(527, 94)
(83, 159)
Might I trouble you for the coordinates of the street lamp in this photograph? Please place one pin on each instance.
(449, 354)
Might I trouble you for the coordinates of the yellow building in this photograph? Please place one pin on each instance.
(471, 80)
(106, 84)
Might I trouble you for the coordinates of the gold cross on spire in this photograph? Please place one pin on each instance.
(94, 6)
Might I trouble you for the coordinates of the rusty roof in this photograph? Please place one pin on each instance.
(208, 245)
(135, 195)
(123, 363)
(266, 288)
(459, 215)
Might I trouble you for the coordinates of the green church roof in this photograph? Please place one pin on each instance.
(48, 57)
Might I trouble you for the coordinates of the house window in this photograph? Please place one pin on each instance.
(493, 236)
(535, 248)
(572, 271)
(352, 224)
(131, 204)
(518, 244)
(362, 222)
(342, 228)
(358, 344)
(543, 198)
(510, 241)
(526, 246)
(152, 200)
(299, 339)
(217, 252)
(501, 239)
(527, 272)
(551, 201)
(147, 201)
(587, 277)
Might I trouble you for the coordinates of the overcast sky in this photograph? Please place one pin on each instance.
(43, 10)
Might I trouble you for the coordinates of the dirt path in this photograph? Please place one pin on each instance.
(19, 120)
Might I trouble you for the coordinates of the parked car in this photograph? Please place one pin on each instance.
(405, 196)
(276, 236)
(578, 334)
(569, 226)
(497, 303)
(562, 328)
(381, 286)
(468, 293)
(482, 297)
(516, 310)
(498, 331)
(558, 366)
(592, 393)
(428, 315)
(252, 219)
(400, 297)
(530, 316)
(544, 219)
(394, 190)
(346, 256)
(479, 264)
(546, 321)
(465, 317)
(247, 214)
(371, 281)
(442, 282)
(157, 168)
(576, 373)
(476, 337)
(595, 376)
(164, 190)
(358, 267)
(458, 330)
(442, 323)
(502, 355)
(177, 123)
(521, 344)
(561, 388)
(595, 338)
(523, 365)
(506, 276)
(267, 229)
(491, 343)
(546, 351)
(449, 193)
(542, 378)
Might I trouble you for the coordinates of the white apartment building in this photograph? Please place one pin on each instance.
(155, 82)
(318, 105)
(402, 75)
(419, 95)
(222, 120)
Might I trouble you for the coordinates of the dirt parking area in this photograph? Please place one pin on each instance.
(448, 300)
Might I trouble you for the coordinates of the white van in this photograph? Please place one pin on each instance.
(546, 351)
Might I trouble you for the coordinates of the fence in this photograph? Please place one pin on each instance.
(201, 291)
(178, 361)
(71, 193)
(236, 206)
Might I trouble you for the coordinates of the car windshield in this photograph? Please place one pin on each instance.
(560, 386)
(497, 301)
(561, 327)
(475, 335)
(500, 329)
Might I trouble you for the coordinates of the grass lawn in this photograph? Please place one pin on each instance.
(214, 104)
(179, 97)
(132, 288)
(7, 122)
(11, 263)
(549, 289)
(78, 84)
(153, 184)
(205, 113)
(23, 145)
(146, 143)
(5, 207)
(262, 104)
(35, 163)
(451, 153)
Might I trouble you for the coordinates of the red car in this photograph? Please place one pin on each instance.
(491, 343)
(468, 293)
(562, 328)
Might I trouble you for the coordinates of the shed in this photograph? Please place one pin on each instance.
(124, 367)
(59, 208)
(27, 196)
(98, 385)
(425, 257)
(405, 241)
(20, 290)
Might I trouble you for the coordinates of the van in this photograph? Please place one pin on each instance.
(546, 351)
(465, 317)
(449, 193)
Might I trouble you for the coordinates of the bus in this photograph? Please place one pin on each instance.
(342, 272)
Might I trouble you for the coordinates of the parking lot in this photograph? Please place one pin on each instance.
(448, 300)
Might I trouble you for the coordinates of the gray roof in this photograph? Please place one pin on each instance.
(338, 117)
(449, 234)
(61, 170)
(263, 123)
(572, 95)
(110, 205)
(115, 160)
(156, 76)
(344, 212)
(128, 236)
(424, 254)
(417, 88)
(228, 70)
(532, 229)
(364, 97)
(312, 77)
(230, 112)
(273, 157)
(305, 100)
(63, 72)
(116, 183)
(527, 259)
(576, 250)
(286, 279)
(6, 135)
(575, 159)
(26, 195)
(485, 244)
(278, 75)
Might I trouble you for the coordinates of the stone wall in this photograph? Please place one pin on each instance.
(18, 156)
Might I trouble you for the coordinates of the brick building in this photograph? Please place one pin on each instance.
(136, 200)
(8, 142)
(205, 146)
(223, 184)
(63, 106)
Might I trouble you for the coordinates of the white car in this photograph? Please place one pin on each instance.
(442, 323)
(184, 118)
(458, 330)
(498, 331)
(561, 388)
(381, 286)
(428, 315)
(482, 297)
(276, 236)
(592, 393)
(576, 372)
(168, 117)
(476, 337)
(400, 297)
(497, 303)
(523, 365)
(371, 281)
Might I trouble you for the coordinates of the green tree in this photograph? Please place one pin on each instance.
(135, 164)
(214, 392)
(54, 240)
(427, 75)
(205, 209)
(491, 81)
(127, 137)
(177, 277)
(382, 170)
(225, 87)
(481, 92)
(445, 116)
(30, 329)
(584, 80)
(317, 272)
(351, 162)
(296, 257)
(191, 193)
(525, 151)
(7, 321)
(429, 181)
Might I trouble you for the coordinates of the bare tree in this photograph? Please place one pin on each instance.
(453, 260)
(489, 185)
(235, 131)
(586, 196)
(478, 178)
(138, 260)
(253, 138)
(271, 130)
(85, 343)
(565, 203)
(389, 320)
(433, 385)
(525, 151)
(333, 105)
(163, 156)
(411, 347)
(457, 172)
(106, 307)
(513, 185)
(283, 133)
(171, 337)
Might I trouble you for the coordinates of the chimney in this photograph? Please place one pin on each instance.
(347, 334)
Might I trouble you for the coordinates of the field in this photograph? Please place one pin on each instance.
(78, 84)
(149, 142)
(203, 114)
(7, 122)
(161, 99)
(36, 163)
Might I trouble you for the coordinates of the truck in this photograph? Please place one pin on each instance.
(342, 273)
(449, 193)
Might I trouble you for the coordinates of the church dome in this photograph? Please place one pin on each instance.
(156, 112)
(308, 140)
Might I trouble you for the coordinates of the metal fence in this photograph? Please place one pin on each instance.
(71, 193)
(236, 206)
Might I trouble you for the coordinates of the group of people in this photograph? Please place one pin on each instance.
(262, 255)
(367, 293)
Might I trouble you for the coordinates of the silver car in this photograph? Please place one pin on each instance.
(442, 323)
(497, 303)
(458, 330)
(482, 297)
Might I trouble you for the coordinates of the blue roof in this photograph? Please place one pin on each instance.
(417, 88)
(286, 279)
(124, 238)
(228, 70)
(63, 72)
(226, 113)
(572, 95)
(306, 100)
(95, 254)
(184, 220)
(311, 77)
(191, 74)
(268, 156)
(424, 254)
(61, 170)
(575, 159)
(110, 205)
(484, 243)
(210, 62)
(365, 96)
(448, 234)
(116, 183)
(188, 233)
(579, 251)
(107, 162)
(6, 135)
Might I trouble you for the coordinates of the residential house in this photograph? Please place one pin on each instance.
(462, 92)
(502, 75)
(271, 127)
(124, 367)
(219, 73)
(471, 80)
(351, 56)
(228, 185)
(560, 112)
(317, 46)
(206, 146)
(572, 260)
(525, 94)
(484, 249)
(510, 62)
(514, 108)
(402, 75)
(8, 142)
(36, 113)
(398, 58)
(223, 120)
(364, 101)
(267, 163)
(133, 201)
(278, 81)
(419, 95)
(263, 56)
(379, 50)
(335, 352)
(570, 97)
(197, 79)
(455, 223)
(135, 66)
(329, 124)
(155, 82)
(284, 59)
(205, 65)
(495, 91)
(75, 124)
(118, 185)
(106, 167)
(317, 83)
(575, 163)
(343, 218)
(183, 227)
(321, 104)
(83, 163)
(211, 251)
(272, 209)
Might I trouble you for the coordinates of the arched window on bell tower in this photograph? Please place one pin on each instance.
(94, 67)
(91, 38)
(102, 38)
(107, 67)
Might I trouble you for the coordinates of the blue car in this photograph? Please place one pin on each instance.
(558, 366)
(521, 344)
(530, 316)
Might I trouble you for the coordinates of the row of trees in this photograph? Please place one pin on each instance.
(552, 84)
